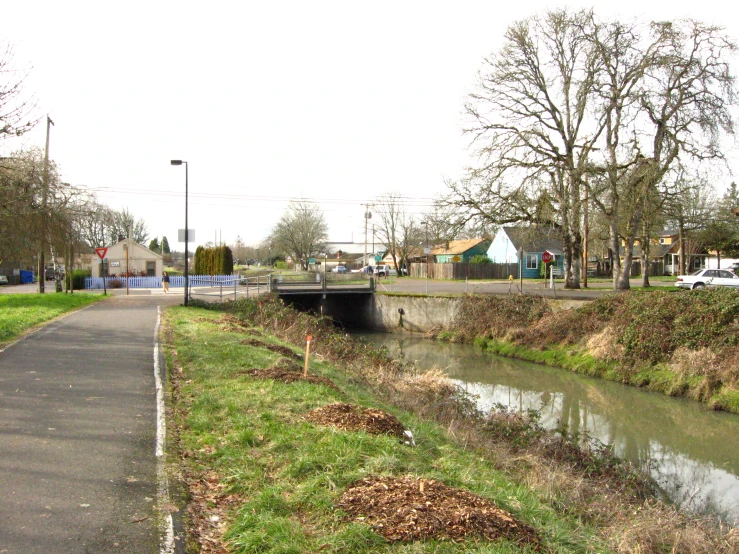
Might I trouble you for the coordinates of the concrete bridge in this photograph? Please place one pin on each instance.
(323, 284)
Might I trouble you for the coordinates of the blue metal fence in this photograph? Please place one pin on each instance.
(175, 281)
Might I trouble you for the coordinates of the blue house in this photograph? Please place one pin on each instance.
(508, 242)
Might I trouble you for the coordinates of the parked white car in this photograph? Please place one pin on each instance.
(339, 269)
(385, 271)
(709, 278)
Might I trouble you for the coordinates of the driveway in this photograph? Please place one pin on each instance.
(78, 470)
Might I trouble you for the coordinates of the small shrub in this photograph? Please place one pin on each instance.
(78, 278)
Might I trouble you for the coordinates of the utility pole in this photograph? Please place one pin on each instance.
(44, 214)
(367, 217)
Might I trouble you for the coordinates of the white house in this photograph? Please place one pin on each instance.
(141, 260)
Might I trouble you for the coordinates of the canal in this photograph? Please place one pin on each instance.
(691, 452)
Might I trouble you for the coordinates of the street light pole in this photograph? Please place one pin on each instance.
(187, 231)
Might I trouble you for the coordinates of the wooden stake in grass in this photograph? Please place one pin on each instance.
(307, 354)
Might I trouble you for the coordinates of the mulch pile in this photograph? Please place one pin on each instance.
(287, 376)
(356, 418)
(282, 350)
(407, 509)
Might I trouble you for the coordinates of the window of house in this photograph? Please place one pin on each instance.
(662, 241)
(532, 261)
(151, 269)
(697, 263)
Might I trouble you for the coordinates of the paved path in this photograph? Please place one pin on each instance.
(77, 433)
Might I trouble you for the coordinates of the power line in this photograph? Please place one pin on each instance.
(407, 200)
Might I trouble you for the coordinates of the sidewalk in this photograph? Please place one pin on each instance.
(78, 417)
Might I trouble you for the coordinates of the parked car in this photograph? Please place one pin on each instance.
(3, 280)
(385, 271)
(709, 278)
(339, 269)
(366, 269)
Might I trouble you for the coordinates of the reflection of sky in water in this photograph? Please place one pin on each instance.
(691, 452)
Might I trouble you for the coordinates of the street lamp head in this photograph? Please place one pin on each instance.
(176, 162)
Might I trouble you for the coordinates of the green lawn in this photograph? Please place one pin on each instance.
(21, 312)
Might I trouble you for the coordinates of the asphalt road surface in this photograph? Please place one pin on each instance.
(77, 433)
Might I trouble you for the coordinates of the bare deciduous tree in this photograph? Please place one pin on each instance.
(302, 232)
(16, 110)
(124, 222)
(569, 97)
(397, 229)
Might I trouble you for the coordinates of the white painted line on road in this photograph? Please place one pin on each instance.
(166, 541)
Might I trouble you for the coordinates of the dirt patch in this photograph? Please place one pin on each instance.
(356, 418)
(407, 509)
(287, 376)
(282, 350)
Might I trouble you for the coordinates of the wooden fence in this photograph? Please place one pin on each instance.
(461, 271)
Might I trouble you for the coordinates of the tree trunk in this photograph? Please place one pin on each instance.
(616, 268)
(645, 260)
(681, 251)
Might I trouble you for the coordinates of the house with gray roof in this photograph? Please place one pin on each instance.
(508, 242)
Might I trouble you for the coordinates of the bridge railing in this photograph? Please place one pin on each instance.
(224, 289)
(321, 281)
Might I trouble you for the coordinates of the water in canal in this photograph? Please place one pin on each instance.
(691, 452)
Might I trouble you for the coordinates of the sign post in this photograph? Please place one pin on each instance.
(307, 355)
(546, 258)
(101, 252)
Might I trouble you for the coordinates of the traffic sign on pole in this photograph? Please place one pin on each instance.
(546, 257)
(101, 252)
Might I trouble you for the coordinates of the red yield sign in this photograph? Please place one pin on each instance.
(101, 252)
(547, 257)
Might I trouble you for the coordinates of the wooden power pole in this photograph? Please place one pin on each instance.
(44, 213)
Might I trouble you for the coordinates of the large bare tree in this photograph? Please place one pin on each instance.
(530, 128)
(666, 92)
(302, 232)
(30, 213)
(572, 102)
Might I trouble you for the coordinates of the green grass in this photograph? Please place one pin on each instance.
(22, 312)
(289, 473)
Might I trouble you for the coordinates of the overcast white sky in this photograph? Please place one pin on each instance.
(336, 102)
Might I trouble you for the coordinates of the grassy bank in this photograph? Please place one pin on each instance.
(264, 477)
(679, 343)
(20, 313)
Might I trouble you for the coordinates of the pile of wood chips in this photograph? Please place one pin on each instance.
(287, 376)
(355, 418)
(408, 509)
(282, 350)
